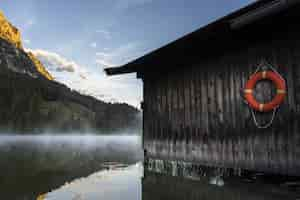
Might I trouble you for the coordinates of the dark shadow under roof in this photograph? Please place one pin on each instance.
(234, 21)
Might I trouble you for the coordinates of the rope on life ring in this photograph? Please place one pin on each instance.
(280, 85)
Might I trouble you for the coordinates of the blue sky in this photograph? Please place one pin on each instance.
(92, 34)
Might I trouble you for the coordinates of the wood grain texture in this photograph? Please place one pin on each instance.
(195, 111)
(198, 114)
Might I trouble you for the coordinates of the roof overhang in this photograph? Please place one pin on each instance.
(219, 29)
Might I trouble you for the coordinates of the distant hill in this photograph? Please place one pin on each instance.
(31, 101)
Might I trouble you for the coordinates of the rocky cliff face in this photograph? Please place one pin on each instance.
(31, 101)
(12, 34)
(9, 32)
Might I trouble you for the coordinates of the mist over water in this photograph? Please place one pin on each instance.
(86, 141)
(72, 145)
(34, 164)
(74, 166)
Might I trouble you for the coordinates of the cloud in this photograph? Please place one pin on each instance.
(106, 34)
(93, 45)
(123, 5)
(118, 56)
(54, 61)
(104, 63)
(82, 76)
(90, 82)
(103, 54)
(26, 41)
(29, 23)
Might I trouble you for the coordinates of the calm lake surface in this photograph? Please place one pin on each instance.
(89, 167)
(31, 165)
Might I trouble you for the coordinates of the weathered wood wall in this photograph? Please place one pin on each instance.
(196, 113)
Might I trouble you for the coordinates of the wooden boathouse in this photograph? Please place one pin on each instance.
(194, 111)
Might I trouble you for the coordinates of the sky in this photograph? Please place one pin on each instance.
(77, 39)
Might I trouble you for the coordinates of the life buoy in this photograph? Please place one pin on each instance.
(276, 101)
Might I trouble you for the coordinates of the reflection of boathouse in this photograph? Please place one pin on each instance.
(161, 187)
(194, 110)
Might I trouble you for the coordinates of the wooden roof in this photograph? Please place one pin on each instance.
(209, 38)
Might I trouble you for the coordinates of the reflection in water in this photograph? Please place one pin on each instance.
(31, 165)
(103, 167)
(115, 184)
(162, 187)
(129, 184)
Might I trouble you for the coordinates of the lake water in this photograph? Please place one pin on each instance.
(89, 167)
(31, 165)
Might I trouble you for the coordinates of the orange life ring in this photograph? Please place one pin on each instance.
(276, 101)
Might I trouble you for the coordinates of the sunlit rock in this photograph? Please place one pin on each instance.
(9, 32)
(39, 66)
(13, 35)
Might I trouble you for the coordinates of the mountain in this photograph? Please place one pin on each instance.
(31, 101)
(12, 34)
